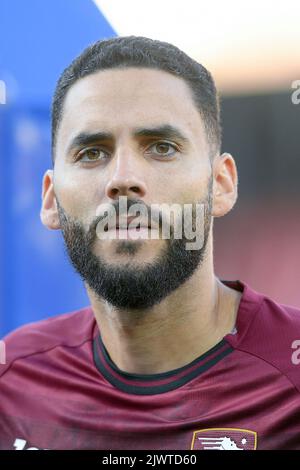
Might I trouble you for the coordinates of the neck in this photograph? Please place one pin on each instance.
(173, 333)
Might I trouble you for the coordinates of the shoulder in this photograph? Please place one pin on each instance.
(270, 331)
(68, 329)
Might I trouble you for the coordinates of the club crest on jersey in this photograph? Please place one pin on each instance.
(224, 439)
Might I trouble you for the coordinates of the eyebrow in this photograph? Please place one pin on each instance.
(165, 131)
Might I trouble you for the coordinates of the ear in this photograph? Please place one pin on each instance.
(49, 213)
(225, 184)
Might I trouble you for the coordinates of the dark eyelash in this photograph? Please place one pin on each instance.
(175, 147)
(79, 155)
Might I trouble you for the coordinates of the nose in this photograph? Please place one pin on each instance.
(125, 180)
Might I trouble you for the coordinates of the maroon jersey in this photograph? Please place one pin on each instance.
(60, 389)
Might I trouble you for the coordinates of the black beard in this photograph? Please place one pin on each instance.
(127, 286)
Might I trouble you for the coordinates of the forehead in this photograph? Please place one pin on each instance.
(117, 100)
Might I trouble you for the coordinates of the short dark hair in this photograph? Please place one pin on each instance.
(138, 51)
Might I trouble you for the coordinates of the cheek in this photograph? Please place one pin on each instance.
(197, 189)
(79, 194)
(187, 189)
(198, 182)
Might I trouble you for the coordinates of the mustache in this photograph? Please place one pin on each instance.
(156, 216)
(113, 210)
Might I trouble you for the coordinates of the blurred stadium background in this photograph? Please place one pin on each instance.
(253, 51)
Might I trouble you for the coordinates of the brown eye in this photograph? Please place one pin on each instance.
(91, 154)
(163, 149)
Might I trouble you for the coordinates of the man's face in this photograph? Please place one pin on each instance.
(127, 157)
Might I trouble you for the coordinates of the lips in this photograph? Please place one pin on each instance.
(123, 223)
